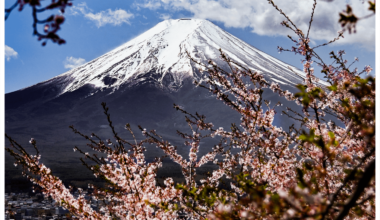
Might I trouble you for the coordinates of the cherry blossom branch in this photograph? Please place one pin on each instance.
(51, 24)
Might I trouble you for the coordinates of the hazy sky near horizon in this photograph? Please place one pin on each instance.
(95, 27)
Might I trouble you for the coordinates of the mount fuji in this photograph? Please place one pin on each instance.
(159, 57)
(140, 80)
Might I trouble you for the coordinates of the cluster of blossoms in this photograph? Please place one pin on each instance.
(310, 172)
(319, 168)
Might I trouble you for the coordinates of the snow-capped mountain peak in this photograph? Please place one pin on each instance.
(159, 56)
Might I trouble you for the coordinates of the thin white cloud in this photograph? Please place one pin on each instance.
(72, 62)
(113, 17)
(264, 19)
(78, 9)
(152, 5)
(164, 16)
(116, 17)
(9, 53)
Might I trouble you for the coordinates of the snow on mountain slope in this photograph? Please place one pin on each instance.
(159, 56)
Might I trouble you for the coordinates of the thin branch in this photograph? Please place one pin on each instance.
(363, 183)
(9, 10)
(311, 18)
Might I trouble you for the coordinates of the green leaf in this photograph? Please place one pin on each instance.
(331, 135)
(333, 87)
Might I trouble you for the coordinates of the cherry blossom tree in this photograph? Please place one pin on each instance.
(318, 170)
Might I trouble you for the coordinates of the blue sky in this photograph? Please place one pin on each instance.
(95, 27)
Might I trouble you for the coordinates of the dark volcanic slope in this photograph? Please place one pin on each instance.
(145, 105)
